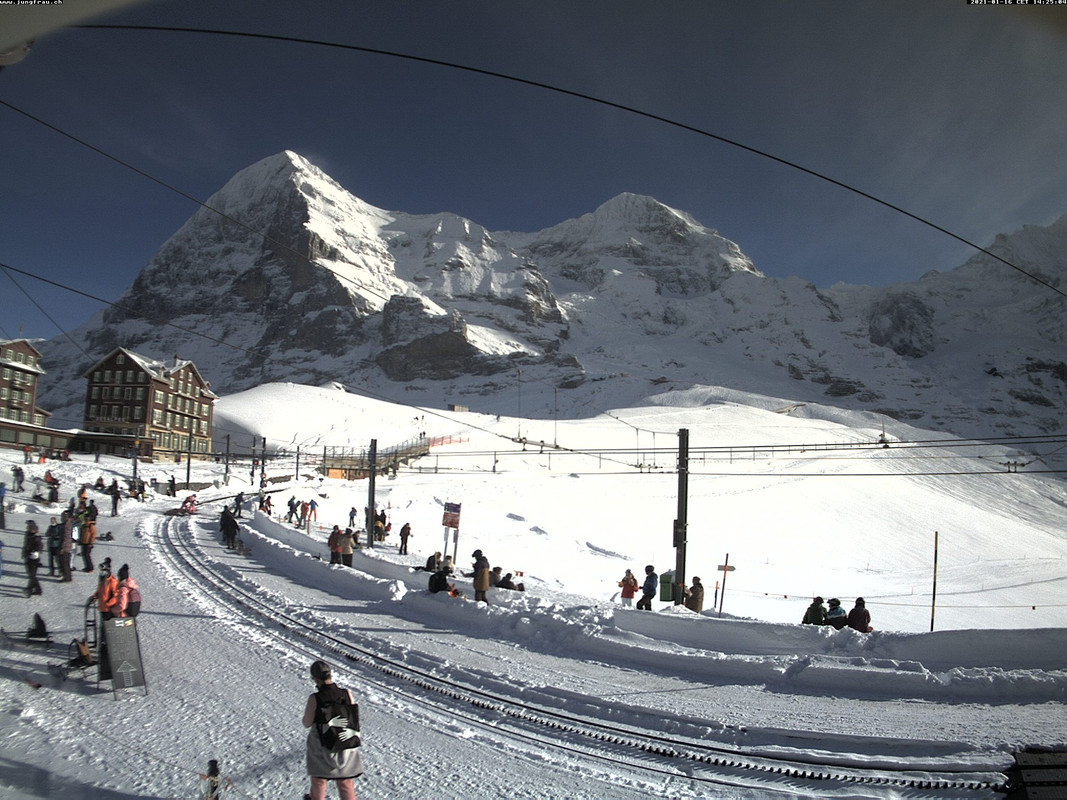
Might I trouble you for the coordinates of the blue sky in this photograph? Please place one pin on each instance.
(952, 111)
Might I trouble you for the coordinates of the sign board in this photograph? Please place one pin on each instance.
(123, 654)
(451, 518)
(725, 568)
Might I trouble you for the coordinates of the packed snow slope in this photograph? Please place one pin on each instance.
(803, 500)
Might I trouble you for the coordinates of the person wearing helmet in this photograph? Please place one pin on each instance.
(340, 762)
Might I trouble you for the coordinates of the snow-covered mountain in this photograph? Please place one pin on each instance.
(286, 276)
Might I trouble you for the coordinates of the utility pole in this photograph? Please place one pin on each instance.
(682, 522)
(226, 474)
(372, 509)
(933, 595)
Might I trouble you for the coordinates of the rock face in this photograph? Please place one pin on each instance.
(286, 276)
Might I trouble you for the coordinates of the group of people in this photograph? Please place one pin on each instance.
(484, 577)
(342, 544)
(75, 526)
(694, 595)
(859, 618)
(116, 597)
(301, 511)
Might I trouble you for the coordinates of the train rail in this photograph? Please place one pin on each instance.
(577, 736)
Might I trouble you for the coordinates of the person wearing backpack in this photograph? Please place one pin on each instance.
(333, 742)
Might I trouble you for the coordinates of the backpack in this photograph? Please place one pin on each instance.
(334, 704)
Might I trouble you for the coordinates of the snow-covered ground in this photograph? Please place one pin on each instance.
(828, 511)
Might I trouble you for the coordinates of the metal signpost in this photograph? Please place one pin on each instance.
(451, 520)
(724, 568)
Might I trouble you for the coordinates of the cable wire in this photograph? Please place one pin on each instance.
(592, 99)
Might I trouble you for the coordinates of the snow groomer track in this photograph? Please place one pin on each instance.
(502, 718)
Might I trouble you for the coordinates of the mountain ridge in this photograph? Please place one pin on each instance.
(286, 276)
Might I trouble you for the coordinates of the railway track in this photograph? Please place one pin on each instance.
(700, 762)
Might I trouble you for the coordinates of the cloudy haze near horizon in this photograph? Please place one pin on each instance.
(952, 112)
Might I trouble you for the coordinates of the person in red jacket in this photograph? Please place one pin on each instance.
(334, 543)
(629, 588)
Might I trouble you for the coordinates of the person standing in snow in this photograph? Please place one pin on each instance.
(128, 596)
(628, 584)
(816, 613)
(648, 589)
(106, 591)
(237, 503)
(115, 492)
(54, 540)
(32, 546)
(334, 543)
(859, 617)
(324, 764)
(694, 596)
(405, 532)
(348, 546)
(66, 546)
(481, 576)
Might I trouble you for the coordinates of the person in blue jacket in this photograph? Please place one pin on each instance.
(648, 589)
(836, 615)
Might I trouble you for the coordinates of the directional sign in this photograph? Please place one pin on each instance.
(725, 568)
(124, 653)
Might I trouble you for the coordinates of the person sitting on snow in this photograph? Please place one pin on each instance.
(836, 615)
(859, 617)
(816, 613)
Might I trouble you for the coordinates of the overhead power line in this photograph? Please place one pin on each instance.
(592, 99)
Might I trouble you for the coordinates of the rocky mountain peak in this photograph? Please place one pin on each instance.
(286, 276)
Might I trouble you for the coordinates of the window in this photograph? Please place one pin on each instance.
(94, 393)
(129, 376)
(97, 377)
(120, 358)
(140, 393)
(107, 376)
(92, 412)
(138, 413)
(127, 393)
